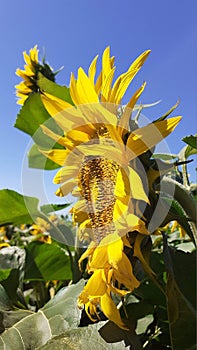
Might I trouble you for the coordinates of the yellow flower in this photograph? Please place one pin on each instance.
(177, 227)
(96, 161)
(40, 229)
(30, 75)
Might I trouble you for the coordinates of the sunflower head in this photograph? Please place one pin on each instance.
(30, 73)
(100, 147)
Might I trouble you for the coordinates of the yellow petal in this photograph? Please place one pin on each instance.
(115, 252)
(85, 88)
(98, 84)
(92, 69)
(143, 139)
(99, 258)
(122, 187)
(89, 251)
(138, 63)
(120, 208)
(136, 185)
(58, 138)
(139, 255)
(124, 120)
(78, 136)
(73, 90)
(56, 155)
(96, 285)
(135, 224)
(66, 188)
(99, 150)
(125, 79)
(111, 312)
(106, 64)
(54, 104)
(124, 273)
(106, 88)
(66, 174)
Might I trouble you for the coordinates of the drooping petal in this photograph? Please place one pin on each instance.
(96, 285)
(89, 251)
(136, 185)
(115, 251)
(120, 208)
(111, 312)
(99, 258)
(139, 255)
(124, 273)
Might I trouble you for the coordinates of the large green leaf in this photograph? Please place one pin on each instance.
(184, 267)
(17, 209)
(182, 317)
(38, 161)
(47, 262)
(180, 310)
(87, 338)
(31, 115)
(54, 89)
(59, 314)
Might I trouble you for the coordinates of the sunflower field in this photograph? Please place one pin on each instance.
(114, 269)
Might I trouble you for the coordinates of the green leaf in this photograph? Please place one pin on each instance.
(54, 89)
(180, 310)
(17, 209)
(32, 115)
(5, 303)
(111, 333)
(191, 141)
(87, 338)
(49, 208)
(38, 161)
(4, 274)
(34, 330)
(47, 262)
(13, 316)
(165, 156)
(183, 262)
(180, 313)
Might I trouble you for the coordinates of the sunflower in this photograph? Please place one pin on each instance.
(40, 229)
(30, 75)
(97, 167)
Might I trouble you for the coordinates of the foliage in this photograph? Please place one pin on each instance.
(40, 280)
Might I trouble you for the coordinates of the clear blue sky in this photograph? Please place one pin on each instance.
(72, 33)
